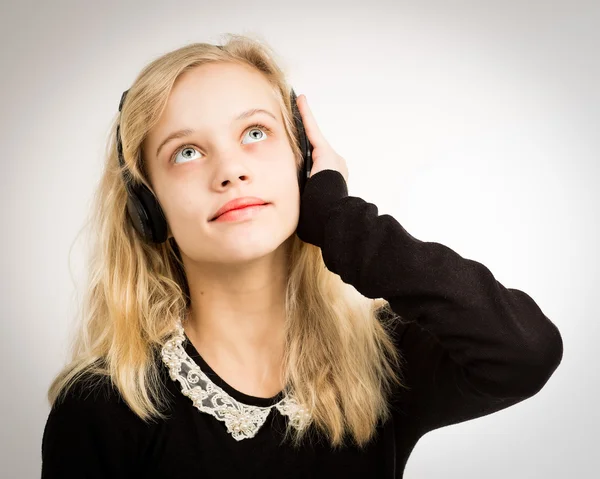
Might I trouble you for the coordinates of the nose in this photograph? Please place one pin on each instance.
(224, 182)
(232, 167)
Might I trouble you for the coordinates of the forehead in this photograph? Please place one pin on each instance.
(213, 94)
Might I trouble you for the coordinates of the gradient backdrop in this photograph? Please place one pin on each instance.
(475, 124)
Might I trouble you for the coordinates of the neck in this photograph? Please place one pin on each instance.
(237, 313)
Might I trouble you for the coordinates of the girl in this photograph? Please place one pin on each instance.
(247, 317)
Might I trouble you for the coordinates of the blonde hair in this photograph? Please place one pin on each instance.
(340, 361)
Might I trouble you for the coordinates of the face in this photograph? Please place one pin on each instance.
(222, 158)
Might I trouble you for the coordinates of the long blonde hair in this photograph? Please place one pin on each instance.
(340, 360)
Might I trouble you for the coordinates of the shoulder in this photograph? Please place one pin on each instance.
(392, 321)
(90, 424)
(89, 394)
(92, 405)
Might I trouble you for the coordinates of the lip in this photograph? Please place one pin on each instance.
(238, 203)
(240, 214)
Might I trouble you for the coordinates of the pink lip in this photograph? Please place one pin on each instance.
(240, 214)
(238, 203)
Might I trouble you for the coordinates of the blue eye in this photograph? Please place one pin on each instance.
(187, 150)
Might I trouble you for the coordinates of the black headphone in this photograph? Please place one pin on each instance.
(145, 212)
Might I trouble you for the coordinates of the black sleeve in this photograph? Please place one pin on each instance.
(471, 346)
(89, 434)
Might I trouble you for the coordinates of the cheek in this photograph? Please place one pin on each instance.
(281, 161)
(185, 205)
(288, 190)
(277, 151)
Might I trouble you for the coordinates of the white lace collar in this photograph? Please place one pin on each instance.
(242, 420)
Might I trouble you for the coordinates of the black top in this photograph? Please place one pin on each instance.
(471, 347)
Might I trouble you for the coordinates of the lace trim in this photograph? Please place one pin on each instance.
(242, 420)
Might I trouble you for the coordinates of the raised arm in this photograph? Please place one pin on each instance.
(471, 345)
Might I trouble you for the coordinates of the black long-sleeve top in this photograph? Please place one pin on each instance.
(471, 347)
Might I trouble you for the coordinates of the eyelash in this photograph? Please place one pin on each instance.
(256, 125)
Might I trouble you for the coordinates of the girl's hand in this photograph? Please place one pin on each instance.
(323, 155)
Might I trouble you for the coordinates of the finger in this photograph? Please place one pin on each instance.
(313, 131)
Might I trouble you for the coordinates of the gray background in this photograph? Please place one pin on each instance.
(474, 123)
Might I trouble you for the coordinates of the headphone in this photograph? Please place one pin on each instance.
(145, 212)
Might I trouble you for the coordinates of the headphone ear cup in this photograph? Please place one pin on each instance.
(305, 146)
(146, 214)
(143, 208)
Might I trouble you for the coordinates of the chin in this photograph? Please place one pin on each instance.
(250, 246)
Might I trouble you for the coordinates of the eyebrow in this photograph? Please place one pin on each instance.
(188, 131)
